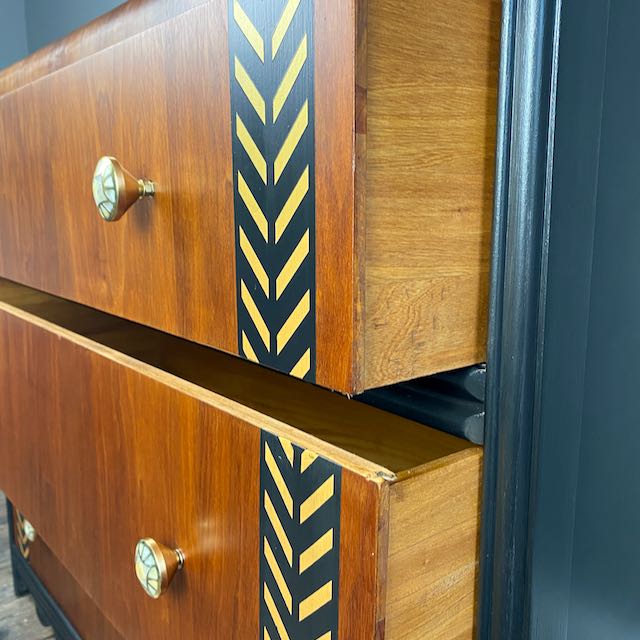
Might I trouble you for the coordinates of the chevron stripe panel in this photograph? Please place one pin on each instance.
(272, 104)
(300, 543)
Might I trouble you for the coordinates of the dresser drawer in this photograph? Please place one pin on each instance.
(77, 607)
(322, 173)
(298, 511)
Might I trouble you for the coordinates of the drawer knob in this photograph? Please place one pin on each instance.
(156, 565)
(29, 531)
(115, 190)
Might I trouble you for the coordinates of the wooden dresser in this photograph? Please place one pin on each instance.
(219, 220)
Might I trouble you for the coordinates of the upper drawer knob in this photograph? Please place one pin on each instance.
(156, 565)
(115, 190)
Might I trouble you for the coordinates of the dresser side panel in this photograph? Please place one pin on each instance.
(431, 122)
(434, 523)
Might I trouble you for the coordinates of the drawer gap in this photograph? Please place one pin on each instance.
(393, 442)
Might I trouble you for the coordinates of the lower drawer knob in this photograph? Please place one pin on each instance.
(115, 190)
(29, 531)
(156, 565)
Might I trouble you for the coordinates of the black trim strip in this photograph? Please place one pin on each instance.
(528, 71)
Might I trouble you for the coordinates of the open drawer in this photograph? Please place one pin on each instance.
(300, 514)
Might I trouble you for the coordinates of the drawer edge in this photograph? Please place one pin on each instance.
(349, 461)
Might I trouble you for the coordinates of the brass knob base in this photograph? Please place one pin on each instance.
(180, 555)
(146, 188)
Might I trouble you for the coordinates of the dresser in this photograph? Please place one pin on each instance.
(219, 221)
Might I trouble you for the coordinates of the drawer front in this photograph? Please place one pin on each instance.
(247, 244)
(275, 537)
(77, 606)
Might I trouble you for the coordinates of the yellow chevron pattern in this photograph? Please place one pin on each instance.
(316, 550)
(293, 264)
(271, 45)
(290, 78)
(254, 208)
(248, 29)
(293, 203)
(291, 142)
(251, 91)
(250, 146)
(255, 314)
(300, 527)
(254, 262)
(293, 322)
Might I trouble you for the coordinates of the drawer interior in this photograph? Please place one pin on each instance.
(394, 443)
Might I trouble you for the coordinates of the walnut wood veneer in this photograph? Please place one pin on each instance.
(323, 172)
(319, 519)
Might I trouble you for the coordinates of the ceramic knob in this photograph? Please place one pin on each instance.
(115, 190)
(29, 531)
(156, 565)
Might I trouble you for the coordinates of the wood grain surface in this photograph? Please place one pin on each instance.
(78, 607)
(161, 106)
(123, 451)
(336, 233)
(434, 528)
(179, 248)
(119, 468)
(432, 77)
(363, 555)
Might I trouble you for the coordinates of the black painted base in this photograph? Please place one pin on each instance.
(25, 581)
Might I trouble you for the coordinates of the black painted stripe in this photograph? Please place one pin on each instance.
(302, 577)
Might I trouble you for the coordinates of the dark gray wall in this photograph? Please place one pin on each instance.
(585, 539)
(13, 32)
(605, 588)
(28, 25)
(48, 20)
